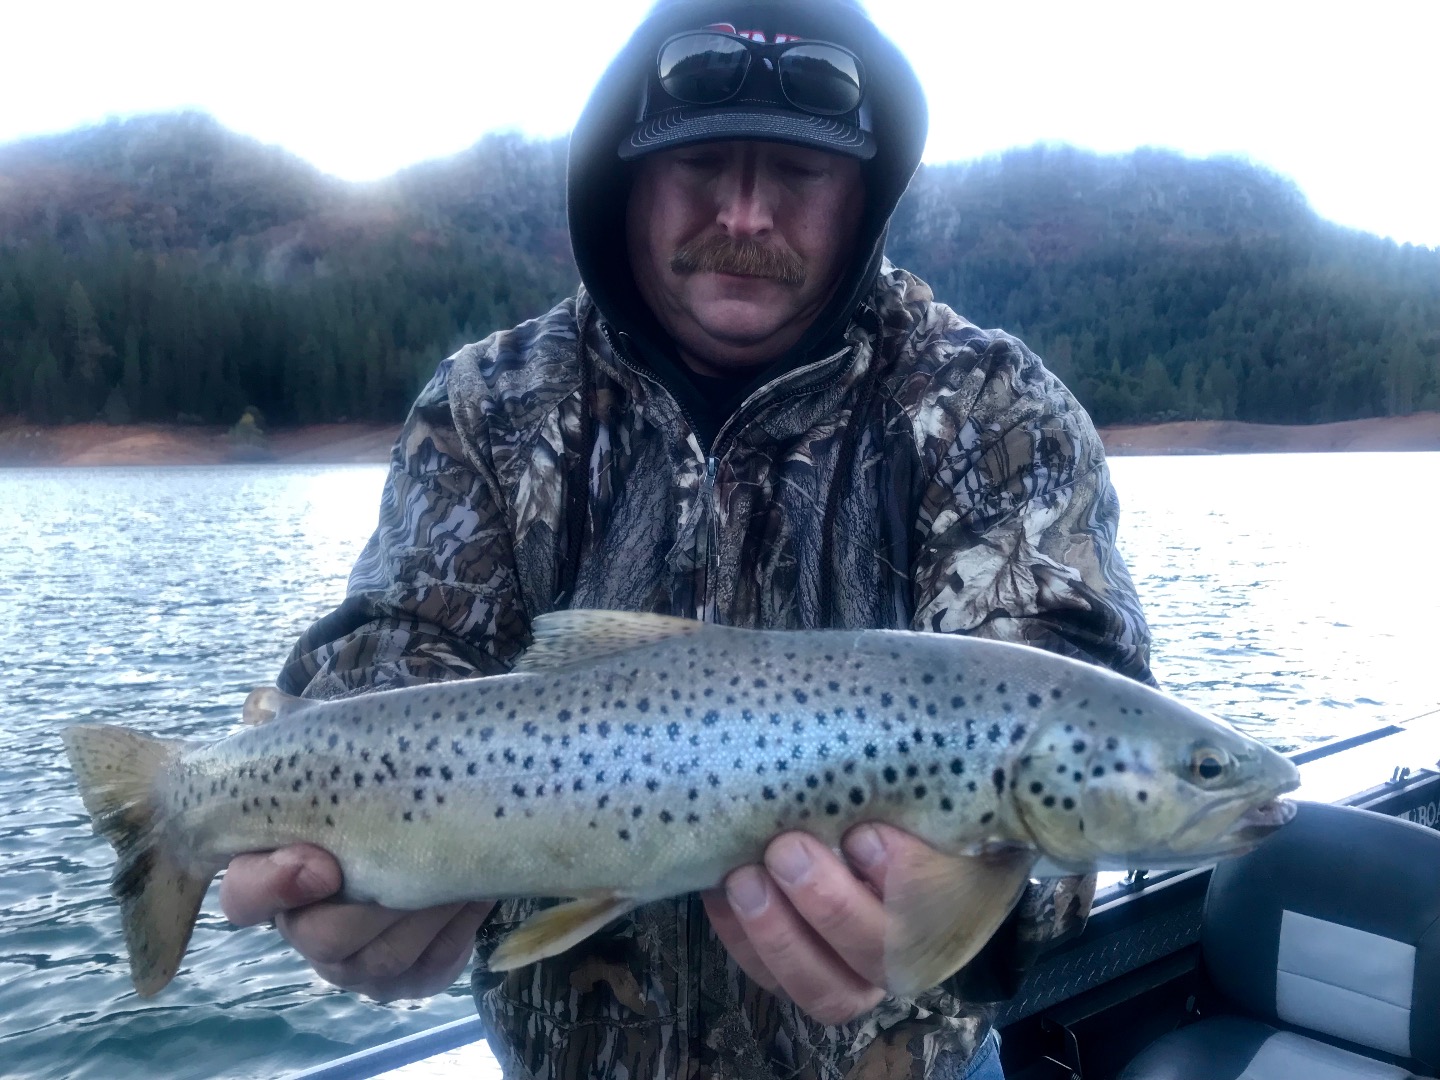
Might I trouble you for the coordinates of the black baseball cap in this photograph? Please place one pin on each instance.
(757, 102)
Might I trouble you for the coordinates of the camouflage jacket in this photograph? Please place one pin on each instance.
(928, 475)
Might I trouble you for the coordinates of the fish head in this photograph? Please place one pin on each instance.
(1136, 779)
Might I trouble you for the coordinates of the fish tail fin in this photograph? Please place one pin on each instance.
(159, 893)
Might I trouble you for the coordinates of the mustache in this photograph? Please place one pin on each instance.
(719, 254)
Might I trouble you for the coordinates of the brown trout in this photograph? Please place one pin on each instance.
(632, 757)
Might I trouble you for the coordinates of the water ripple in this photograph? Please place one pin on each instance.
(159, 598)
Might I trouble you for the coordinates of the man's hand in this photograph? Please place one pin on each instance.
(810, 927)
(373, 950)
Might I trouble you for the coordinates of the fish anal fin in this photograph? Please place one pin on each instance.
(159, 892)
(267, 703)
(562, 638)
(552, 931)
(943, 909)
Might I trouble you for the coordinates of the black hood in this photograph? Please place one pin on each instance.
(598, 182)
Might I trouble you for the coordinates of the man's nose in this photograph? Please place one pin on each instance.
(746, 200)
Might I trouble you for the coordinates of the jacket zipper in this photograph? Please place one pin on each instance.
(708, 537)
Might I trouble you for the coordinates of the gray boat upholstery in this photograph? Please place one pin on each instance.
(1324, 948)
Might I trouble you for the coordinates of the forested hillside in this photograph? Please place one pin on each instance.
(164, 268)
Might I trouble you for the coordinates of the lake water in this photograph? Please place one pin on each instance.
(1294, 594)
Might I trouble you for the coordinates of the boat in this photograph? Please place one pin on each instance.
(1138, 972)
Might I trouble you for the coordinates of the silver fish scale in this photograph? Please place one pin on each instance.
(649, 772)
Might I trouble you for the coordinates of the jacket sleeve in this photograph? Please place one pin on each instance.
(434, 594)
(1017, 542)
(1016, 537)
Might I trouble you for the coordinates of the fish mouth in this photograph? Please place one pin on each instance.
(1248, 829)
(1260, 821)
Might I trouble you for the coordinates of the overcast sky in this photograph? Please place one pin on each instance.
(1342, 98)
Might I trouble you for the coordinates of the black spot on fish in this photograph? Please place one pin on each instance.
(672, 729)
(871, 750)
(957, 766)
(1001, 688)
(920, 791)
(767, 793)
(998, 779)
(563, 715)
(912, 771)
(801, 696)
(987, 817)
(994, 733)
(832, 808)
(403, 744)
(693, 794)
(643, 705)
(1036, 788)
(499, 812)
(857, 796)
(518, 790)
(1142, 795)
(1119, 766)
(666, 816)
(624, 834)
(692, 819)
(422, 771)
(331, 741)
(890, 774)
(359, 780)
(1098, 770)
(886, 700)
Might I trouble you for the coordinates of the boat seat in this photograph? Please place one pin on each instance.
(1323, 947)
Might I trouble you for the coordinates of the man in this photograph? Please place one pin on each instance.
(746, 416)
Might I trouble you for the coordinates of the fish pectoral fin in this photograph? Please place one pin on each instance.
(556, 929)
(943, 909)
(267, 703)
(562, 638)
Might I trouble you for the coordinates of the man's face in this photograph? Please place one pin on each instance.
(737, 246)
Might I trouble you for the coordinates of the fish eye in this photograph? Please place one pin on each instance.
(1207, 764)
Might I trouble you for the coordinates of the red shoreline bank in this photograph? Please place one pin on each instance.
(172, 444)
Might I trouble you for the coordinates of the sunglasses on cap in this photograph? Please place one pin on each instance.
(708, 67)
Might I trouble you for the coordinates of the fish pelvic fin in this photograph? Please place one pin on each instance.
(552, 931)
(943, 909)
(562, 638)
(267, 703)
(159, 895)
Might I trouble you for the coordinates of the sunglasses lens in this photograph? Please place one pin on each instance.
(703, 69)
(820, 79)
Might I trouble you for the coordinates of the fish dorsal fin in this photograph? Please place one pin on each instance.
(943, 909)
(563, 638)
(267, 703)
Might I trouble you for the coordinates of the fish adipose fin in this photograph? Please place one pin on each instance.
(556, 929)
(159, 895)
(943, 909)
(267, 703)
(563, 638)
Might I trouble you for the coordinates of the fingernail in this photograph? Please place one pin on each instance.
(789, 860)
(745, 889)
(865, 847)
(308, 884)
